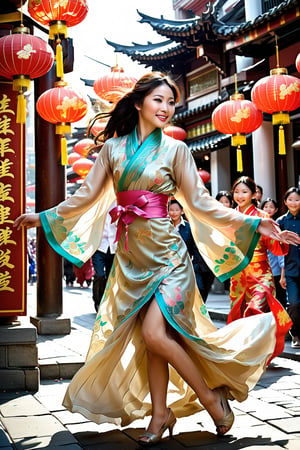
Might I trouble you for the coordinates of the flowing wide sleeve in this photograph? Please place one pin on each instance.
(74, 227)
(225, 238)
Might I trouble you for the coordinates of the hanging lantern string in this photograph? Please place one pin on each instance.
(235, 83)
(277, 51)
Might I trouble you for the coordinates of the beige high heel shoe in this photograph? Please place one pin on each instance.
(228, 418)
(148, 438)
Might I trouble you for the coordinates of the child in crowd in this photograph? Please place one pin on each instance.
(290, 279)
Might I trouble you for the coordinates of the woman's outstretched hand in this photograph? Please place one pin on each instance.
(28, 221)
(269, 228)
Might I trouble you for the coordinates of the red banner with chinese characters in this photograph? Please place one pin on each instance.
(13, 245)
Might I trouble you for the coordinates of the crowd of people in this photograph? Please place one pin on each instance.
(152, 314)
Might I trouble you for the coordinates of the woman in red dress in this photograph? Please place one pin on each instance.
(252, 290)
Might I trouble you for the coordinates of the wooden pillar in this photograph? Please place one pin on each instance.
(50, 190)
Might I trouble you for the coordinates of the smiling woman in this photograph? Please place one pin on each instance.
(252, 290)
(151, 303)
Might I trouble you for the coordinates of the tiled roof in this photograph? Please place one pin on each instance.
(213, 142)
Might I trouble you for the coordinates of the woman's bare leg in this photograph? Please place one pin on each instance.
(158, 342)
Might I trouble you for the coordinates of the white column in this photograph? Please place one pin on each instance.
(263, 159)
(220, 171)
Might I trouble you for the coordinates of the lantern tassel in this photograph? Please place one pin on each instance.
(21, 108)
(239, 157)
(63, 151)
(281, 141)
(59, 60)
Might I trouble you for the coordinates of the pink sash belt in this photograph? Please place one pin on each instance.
(131, 204)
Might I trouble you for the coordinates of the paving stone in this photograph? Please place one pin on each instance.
(68, 418)
(31, 426)
(292, 444)
(291, 425)
(110, 440)
(58, 440)
(52, 403)
(264, 433)
(22, 406)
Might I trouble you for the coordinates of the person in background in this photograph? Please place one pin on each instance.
(252, 290)
(69, 274)
(103, 259)
(152, 334)
(31, 252)
(259, 194)
(225, 197)
(290, 278)
(270, 206)
(204, 276)
(84, 273)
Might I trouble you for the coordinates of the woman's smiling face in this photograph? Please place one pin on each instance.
(157, 109)
(243, 196)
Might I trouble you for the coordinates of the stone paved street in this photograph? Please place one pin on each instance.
(269, 418)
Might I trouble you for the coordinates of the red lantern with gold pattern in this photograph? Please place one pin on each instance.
(237, 117)
(58, 14)
(24, 57)
(277, 94)
(175, 132)
(62, 105)
(113, 86)
(83, 146)
(82, 166)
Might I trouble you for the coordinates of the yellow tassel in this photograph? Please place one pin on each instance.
(59, 60)
(63, 151)
(239, 157)
(281, 141)
(21, 109)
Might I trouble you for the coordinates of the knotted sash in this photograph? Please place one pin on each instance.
(131, 204)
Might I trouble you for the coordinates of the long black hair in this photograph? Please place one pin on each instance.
(124, 117)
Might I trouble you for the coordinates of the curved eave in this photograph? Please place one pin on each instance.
(199, 30)
(200, 109)
(224, 30)
(214, 142)
(138, 52)
(170, 55)
(134, 49)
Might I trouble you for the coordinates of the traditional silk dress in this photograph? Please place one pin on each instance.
(151, 261)
(252, 290)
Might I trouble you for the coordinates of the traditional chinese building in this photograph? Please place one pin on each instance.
(211, 49)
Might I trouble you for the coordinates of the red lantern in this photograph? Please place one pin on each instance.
(237, 117)
(297, 63)
(113, 86)
(175, 132)
(82, 167)
(204, 175)
(83, 146)
(24, 57)
(73, 157)
(62, 105)
(277, 94)
(58, 15)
